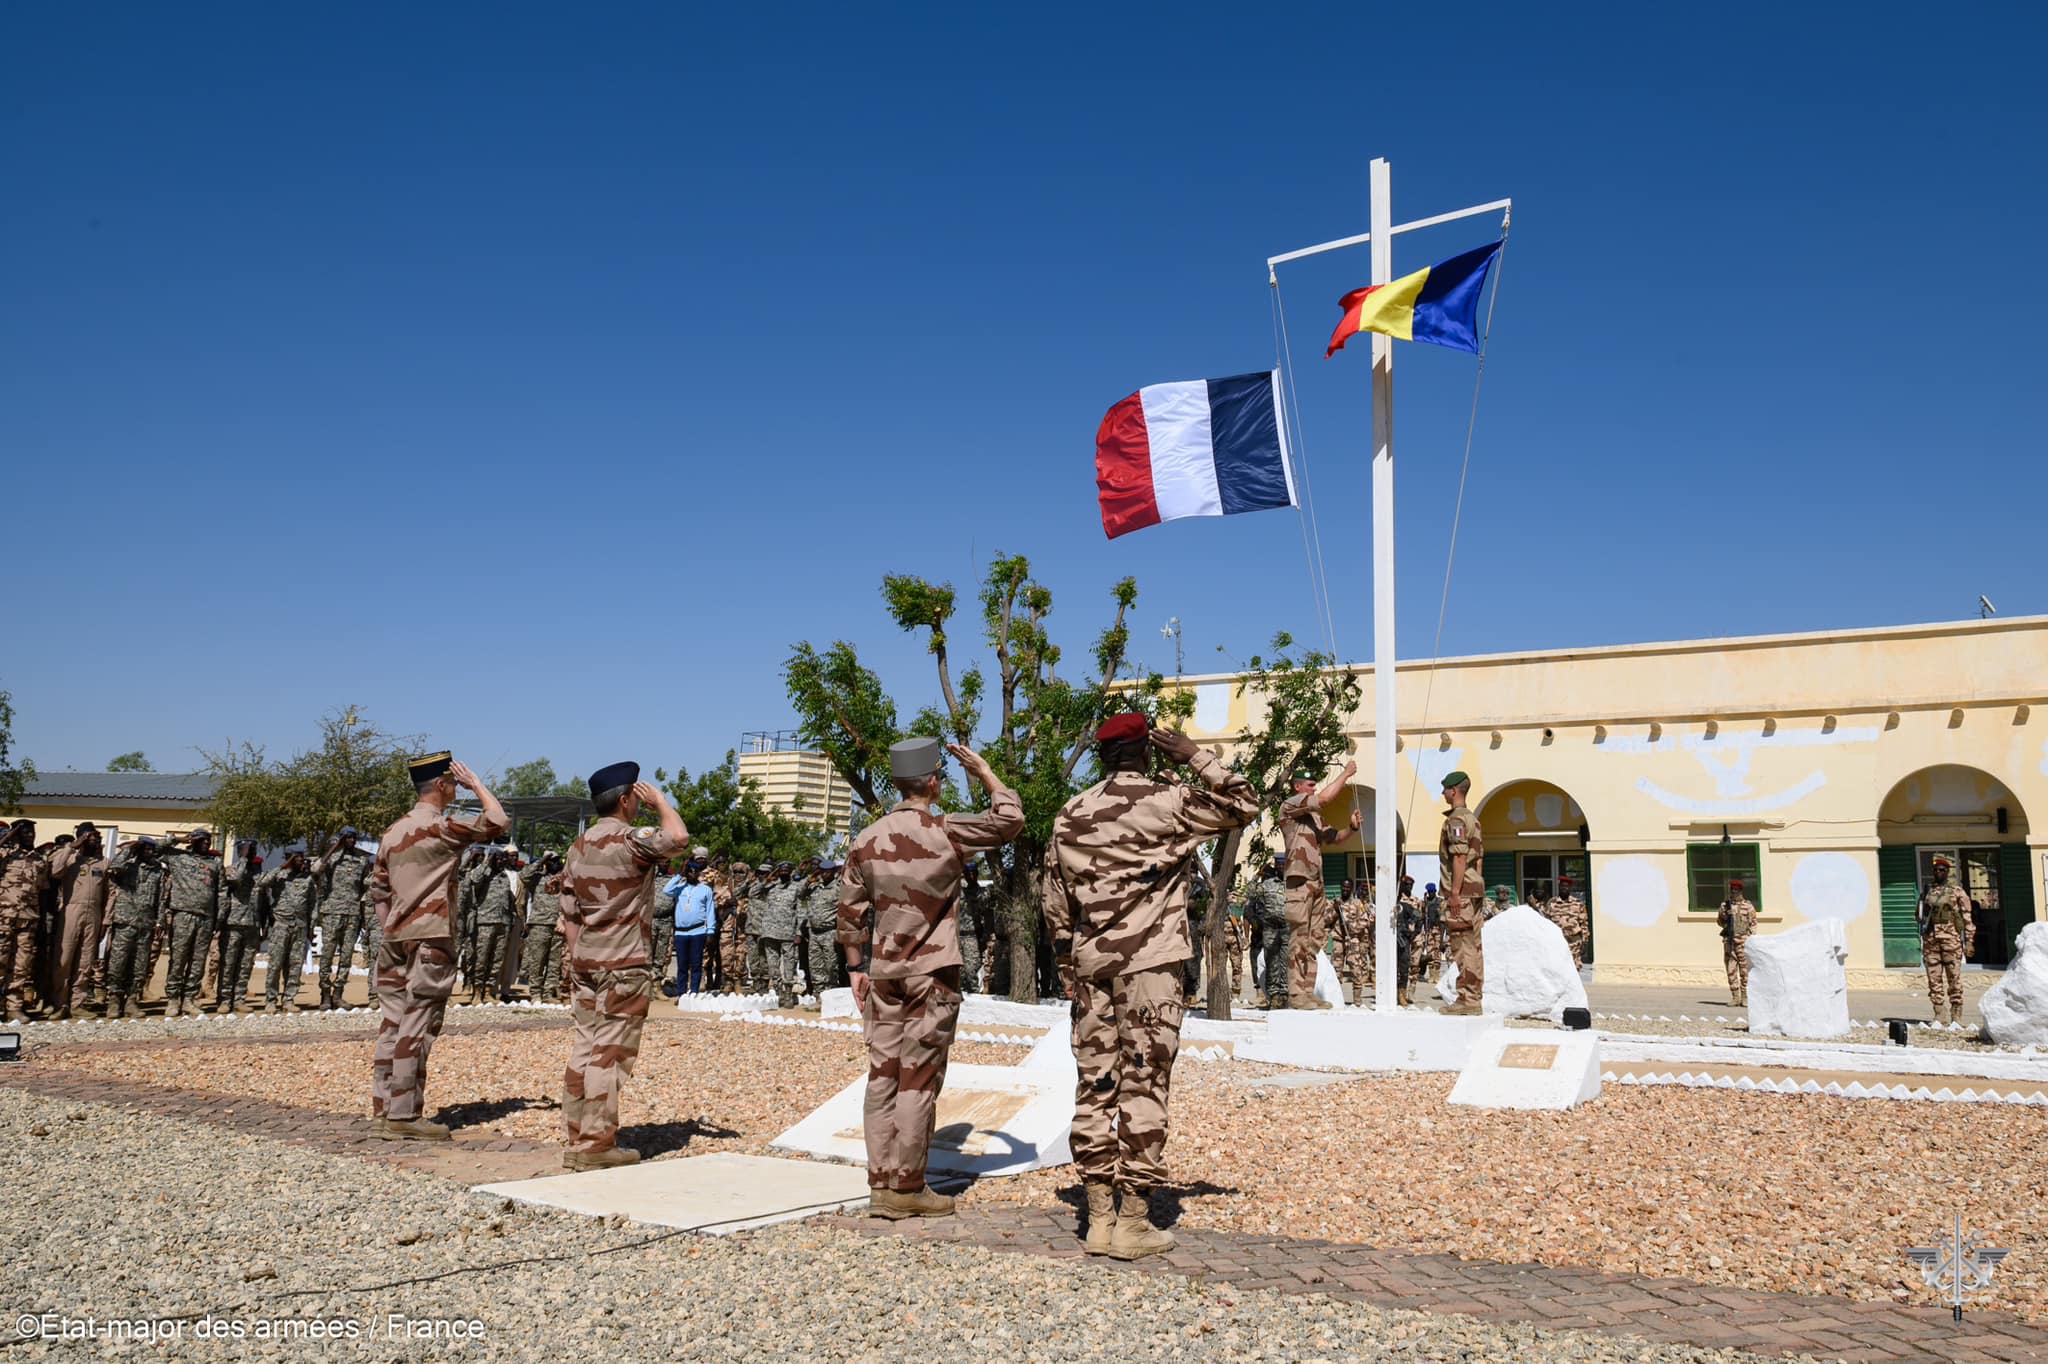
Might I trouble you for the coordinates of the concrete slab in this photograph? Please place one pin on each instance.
(717, 1194)
(1530, 1068)
(992, 1120)
(1364, 1039)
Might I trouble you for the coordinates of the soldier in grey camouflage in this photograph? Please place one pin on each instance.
(543, 965)
(774, 919)
(241, 915)
(140, 887)
(476, 869)
(665, 922)
(494, 909)
(194, 898)
(292, 889)
(820, 909)
(1118, 873)
(977, 927)
(1265, 906)
(344, 876)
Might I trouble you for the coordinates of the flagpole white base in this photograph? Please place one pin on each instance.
(1367, 1039)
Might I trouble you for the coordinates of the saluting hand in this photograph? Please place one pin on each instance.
(1174, 744)
(463, 776)
(972, 763)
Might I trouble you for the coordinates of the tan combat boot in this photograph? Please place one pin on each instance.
(1134, 1237)
(1101, 1215)
(599, 1160)
(410, 1129)
(173, 1006)
(117, 1007)
(1309, 1002)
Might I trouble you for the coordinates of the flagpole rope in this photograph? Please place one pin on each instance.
(1318, 576)
(1458, 509)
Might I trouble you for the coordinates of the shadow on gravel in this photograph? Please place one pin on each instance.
(476, 1114)
(659, 1138)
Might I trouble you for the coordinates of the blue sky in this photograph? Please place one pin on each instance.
(534, 376)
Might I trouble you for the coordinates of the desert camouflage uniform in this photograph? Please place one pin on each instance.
(344, 875)
(1578, 926)
(1947, 934)
(195, 907)
(1464, 904)
(469, 886)
(1357, 952)
(494, 910)
(291, 896)
(1233, 948)
(23, 878)
(1265, 907)
(898, 918)
(774, 921)
(241, 916)
(1737, 918)
(732, 935)
(544, 938)
(1308, 904)
(410, 889)
(607, 915)
(751, 892)
(664, 929)
(139, 888)
(1118, 873)
(82, 885)
(819, 905)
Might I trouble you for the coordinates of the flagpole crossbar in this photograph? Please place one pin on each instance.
(1502, 206)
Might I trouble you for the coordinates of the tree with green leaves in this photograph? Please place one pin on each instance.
(1041, 725)
(1303, 704)
(131, 762)
(726, 814)
(357, 776)
(14, 777)
(529, 780)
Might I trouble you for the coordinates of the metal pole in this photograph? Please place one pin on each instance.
(1385, 843)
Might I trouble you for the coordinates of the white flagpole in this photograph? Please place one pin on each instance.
(1385, 806)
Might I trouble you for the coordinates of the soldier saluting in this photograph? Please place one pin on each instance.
(1117, 876)
(899, 923)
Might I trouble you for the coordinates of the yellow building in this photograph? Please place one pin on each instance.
(1826, 770)
(123, 804)
(799, 783)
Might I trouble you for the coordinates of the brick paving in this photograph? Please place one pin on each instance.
(1664, 1310)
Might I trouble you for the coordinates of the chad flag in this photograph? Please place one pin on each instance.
(1438, 305)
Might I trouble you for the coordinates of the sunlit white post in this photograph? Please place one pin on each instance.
(1387, 881)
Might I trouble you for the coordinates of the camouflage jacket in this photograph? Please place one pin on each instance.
(608, 895)
(1737, 918)
(543, 895)
(81, 881)
(1234, 936)
(665, 908)
(23, 877)
(344, 877)
(241, 902)
(1120, 866)
(291, 893)
(1356, 920)
(494, 899)
(1304, 834)
(1265, 902)
(819, 904)
(138, 889)
(899, 892)
(774, 910)
(413, 884)
(1463, 903)
(1945, 910)
(195, 883)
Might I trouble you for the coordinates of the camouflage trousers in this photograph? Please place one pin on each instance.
(128, 960)
(664, 945)
(1274, 946)
(909, 1023)
(732, 961)
(972, 954)
(543, 961)
(821, 962)
(18, 959)
(1941, 952)
(414, 980)
(287, 949)
(337, 948)
(187, 972)
(1356, 957)
(1126, 1037)
(490, 960)
(76, 951)
(237, 957)
(373, 940)
(1305, 915)
(610, 1009)
(1735, 956)
(1471, 963)
(778, 968)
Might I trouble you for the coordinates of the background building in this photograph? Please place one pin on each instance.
(801, 784)
(1826, 770)
(123, 804)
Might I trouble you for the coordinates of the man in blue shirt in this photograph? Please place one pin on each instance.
(696, 916)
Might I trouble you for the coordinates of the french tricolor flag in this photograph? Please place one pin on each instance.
(1205, 447)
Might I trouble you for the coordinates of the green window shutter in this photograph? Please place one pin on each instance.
(1336, 866)
(1499, 870)
(1898, 879)
(2015, 892)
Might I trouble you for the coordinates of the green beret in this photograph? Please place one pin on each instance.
(1304, 774)
(1456, 779)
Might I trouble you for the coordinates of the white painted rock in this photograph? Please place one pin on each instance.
(1528, 967)
(1525, 1068)
(2016, 1009)
(837, 1004)
(1798, 982)
(1447, 983)
(1327, 988)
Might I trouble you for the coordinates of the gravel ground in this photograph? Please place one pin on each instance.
(1782, 1193)
(189, 1228)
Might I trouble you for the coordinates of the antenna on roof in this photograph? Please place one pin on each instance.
(1985, 609)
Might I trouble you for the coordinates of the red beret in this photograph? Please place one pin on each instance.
(1129, 725)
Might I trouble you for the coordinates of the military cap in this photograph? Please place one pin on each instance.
(784, 866)
(1407, 880)
(20, 825)
(741, 866)
(1304, 774)
(349, 831)
(62, 840)
(1129, 725)
(245, 845)
(88, 827)
(429, 767)
(1943, 863)
(1456, 779)
(915, 759)
(607, 778)
(1735, 882)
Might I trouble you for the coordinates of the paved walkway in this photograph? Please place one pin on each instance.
(1676, 1311)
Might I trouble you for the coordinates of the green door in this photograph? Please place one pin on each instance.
(2016, 891)
(1898, 879)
